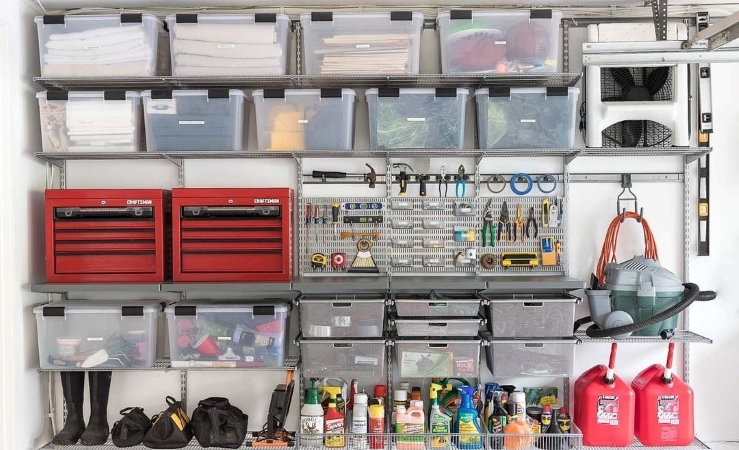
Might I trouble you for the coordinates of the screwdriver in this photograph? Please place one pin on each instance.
(316, 219)
(324, 218)
(335, 218)
(308, 210)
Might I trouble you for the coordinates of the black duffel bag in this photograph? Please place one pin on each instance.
(131, 428)
(217, 423)
(170, 428)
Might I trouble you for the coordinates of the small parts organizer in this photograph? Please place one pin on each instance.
(432, 235)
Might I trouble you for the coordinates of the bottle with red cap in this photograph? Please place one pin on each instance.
(564, 420)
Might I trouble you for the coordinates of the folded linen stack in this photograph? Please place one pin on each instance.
(366, 54)
(227, 49)
(100, 124)
(107, 51)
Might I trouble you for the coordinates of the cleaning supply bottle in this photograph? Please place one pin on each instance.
(400, 398)
(519, 399)
(380, 392)
(410, 428)
(664, 406)
(311, 418)
(334, 424)
(546, 418)
(440, 425)
(377, 427)
(517, 434)
(334, 392)
(564, 421)
(467, 425)
(359, 420)
(552, 439)
(498, 421)
(604, 406)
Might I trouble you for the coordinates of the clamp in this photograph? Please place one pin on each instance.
(443, 178)
(504, 222)
(488, 227)
(461, 183)
(532, 221)
(518, 224)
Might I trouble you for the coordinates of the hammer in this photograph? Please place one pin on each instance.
(371, 177)
(403, 176)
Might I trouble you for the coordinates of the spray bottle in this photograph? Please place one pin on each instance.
(335, 393)
(311, 417)
(439, 423)
(334, 423)
(467, 425)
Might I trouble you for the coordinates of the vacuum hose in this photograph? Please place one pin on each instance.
(692, 293)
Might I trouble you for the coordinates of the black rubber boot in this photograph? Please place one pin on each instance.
(73, 387)
(97, 428)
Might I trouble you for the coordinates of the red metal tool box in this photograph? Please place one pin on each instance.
(238, 234)
(106, 235)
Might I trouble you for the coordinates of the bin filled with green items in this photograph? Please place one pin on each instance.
(442, 357)
(416, 118)
(526, 117)
(227, 335)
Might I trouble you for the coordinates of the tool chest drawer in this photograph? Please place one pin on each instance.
(96, 334)
(437, 326)
(305, 119)
(540, 357)
(348, 359)
(106, 235)
(416, 118)
(232, 234)
(200, 120)
(437, 304)
(386, 43)
(440, 358)
(228, 44)
(527, 117)
(531, 315)
(342, 315)
(227, 334)
(500, 41)
(103, 45)
(90, 121)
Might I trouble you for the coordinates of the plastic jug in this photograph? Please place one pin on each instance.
(409, 427)
(664, 406)
(604, 406)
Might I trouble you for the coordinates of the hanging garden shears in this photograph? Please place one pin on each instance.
(461, 184)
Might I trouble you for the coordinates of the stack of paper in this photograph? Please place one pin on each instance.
(366, 54)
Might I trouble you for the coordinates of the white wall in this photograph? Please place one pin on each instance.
(591, 207)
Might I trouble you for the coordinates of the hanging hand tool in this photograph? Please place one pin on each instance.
(308, 217)
(558, 250)
(518, 224)
(443, 179)
(371, 176)
(422, 185)
(375, 235)
(461, 184)
(324, 220)
(361, 206)
(363, 219)
(316, 219)
(335, 218)
(504, 224)
(488, 227)
(532, 221)
(545, 213)
(403, 176)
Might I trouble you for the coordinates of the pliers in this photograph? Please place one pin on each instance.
(488, 227)
(504, 221)
(443, 178)
(461, 182)
(532, 221)
(518, 224)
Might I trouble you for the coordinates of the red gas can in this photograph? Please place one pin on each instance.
(604, 407)
(664, 406)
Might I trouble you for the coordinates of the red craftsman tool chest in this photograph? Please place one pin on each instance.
(239, 234)
(106, 235)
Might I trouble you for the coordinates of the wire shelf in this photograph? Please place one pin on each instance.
(680, 336)
(696, 445)
(314, 81)
(249, 443)
(164, 365)
(161, 365)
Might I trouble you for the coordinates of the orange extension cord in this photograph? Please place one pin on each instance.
(608, 253)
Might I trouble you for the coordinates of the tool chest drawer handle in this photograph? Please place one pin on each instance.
(194, 212)
(343, 345)
(533, 304)
(76, 213)
(341, 304)
(533, 345)
(438, 304)
(438, 324)
(438, 345)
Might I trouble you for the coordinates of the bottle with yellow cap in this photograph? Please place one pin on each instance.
(439, 423)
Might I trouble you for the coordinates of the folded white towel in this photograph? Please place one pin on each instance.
(109, 50)
(226, 50)
(192, 71)
(261, 33)
(106, 134)
(103, 31)
(97, 41)
(127, 56)
(98, 113)
(209, 61)
(127, 69)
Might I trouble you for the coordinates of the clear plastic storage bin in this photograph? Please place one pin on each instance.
(385, 43)
(344, 358)
(438, 327)
(79, 121)
(211, 120)
(228, 44)
(501, 41)
(227, 335)
(539, 357)
(416, 118)
(342, 315)
(442, 358)
(532, 315)
(305, 119)
(527, 117)
(88, 334)
(437, 304)
(108, 45)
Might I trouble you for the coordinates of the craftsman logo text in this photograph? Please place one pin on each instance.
(138, 202)
(266, 200)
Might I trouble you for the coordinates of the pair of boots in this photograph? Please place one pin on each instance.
(73, 387)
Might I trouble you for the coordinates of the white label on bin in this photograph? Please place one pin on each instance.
(500, 42)
(192, 122)
(248, 359)
(302, 121)
(528, 120)
(416, 119)
(92, 47)
(224, 338)
(362, 46)
(226, 46)
(94, 339)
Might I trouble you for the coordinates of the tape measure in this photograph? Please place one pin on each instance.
(338, 260)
